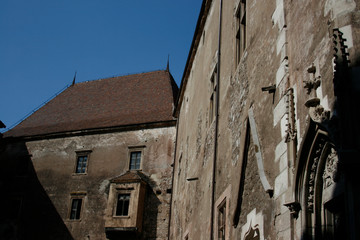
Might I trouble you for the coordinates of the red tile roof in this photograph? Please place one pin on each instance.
(130, 177)
(118, 101)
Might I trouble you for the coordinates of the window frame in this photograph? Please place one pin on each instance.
(240, 31)
(81, 154)
(223, 202)
(132, 150)
(124, 193)
(213, 89)
(221, 220)
(78, 212)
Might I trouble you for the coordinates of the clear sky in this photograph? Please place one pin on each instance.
(43, 43)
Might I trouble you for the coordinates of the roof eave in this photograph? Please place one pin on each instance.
(192, 52)
(133, 127)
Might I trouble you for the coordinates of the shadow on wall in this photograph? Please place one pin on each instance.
(150, 223)
(26, 210)
(335, 215)
(151, 209)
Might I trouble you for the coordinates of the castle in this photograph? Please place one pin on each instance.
(261, 141)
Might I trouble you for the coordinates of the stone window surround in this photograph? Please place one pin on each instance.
(81, 153)
(213, 88)
(135, 149)
(123, 191)
(224, 199)
(240, 30)
(74, 196)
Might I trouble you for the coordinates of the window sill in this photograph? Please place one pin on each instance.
(122, 217)
(79, 174)
(74, 220)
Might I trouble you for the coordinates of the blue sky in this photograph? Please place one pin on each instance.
(43, 43)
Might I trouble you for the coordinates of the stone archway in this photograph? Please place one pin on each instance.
(319, 187)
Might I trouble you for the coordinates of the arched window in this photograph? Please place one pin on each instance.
(320, 187)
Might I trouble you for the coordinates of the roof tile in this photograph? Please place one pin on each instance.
(118, 101)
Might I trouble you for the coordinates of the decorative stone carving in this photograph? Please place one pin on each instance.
(294, 208)
(291, 129)
(316, 111)
(311, 86)
(331, 169)
(341, 61)
(312, 176)
(340, 49)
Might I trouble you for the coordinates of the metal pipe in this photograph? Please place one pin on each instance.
(216, 125)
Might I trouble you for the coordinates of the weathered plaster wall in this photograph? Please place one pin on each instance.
(54, 162)
(193, 160)
(284, 39)
(26, 210)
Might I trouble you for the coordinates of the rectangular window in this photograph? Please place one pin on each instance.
(75, 208)
(213, 86)
(82, 161)
(135, 160)
(123, 202)
(240, 30)
(81, 164)
(221, 221)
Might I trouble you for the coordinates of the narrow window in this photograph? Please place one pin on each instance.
(213, 86)
(221, 221)
(240, 30)
(75, 208)
(135, 160)
(122, 208)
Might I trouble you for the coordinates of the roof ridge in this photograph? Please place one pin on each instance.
(121, 75)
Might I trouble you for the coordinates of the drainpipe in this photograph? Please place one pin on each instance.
(216, 126)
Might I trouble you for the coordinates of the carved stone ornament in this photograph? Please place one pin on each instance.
(312, 176)
(291, 125)
(331, 169)
(319, 114)
(294, 208)
(314, 82)
(316, 111)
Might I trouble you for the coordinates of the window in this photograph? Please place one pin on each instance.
(221, 221)
(82, 159)
(81, 164)
(221, 225)
(213, 86)
(75, 208)
(135, 160)
(240, 30)
(123, 202)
